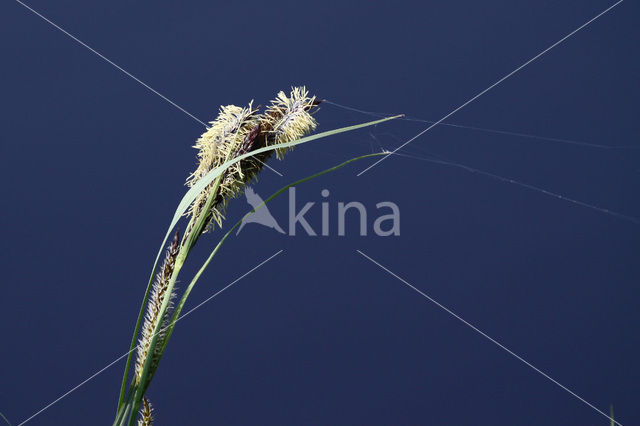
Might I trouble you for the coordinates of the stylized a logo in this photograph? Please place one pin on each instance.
(261, 216)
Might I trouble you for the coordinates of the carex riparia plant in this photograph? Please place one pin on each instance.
(231, 153)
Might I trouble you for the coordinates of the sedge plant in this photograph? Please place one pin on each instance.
(231, 153)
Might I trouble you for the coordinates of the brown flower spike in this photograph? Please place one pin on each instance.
(146, 413)
(156, 297)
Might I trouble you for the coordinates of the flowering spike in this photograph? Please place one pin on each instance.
(152, 316)
(288, 118)
(237, 131)
(146, 413)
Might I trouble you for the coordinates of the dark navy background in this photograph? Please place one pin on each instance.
(93, 165)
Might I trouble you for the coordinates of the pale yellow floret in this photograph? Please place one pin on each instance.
(217, 145)
(288, 118)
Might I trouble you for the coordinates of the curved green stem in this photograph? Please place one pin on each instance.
(176, 314)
